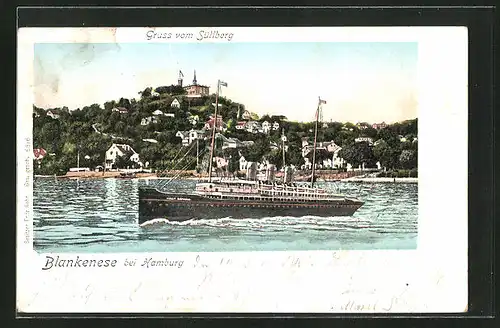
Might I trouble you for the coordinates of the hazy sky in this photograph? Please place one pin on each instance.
(365, 81)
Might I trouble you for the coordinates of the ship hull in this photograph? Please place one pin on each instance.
(181, 207)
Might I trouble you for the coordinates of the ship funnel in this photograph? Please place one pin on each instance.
(270, 172)
(252, 171)
(288, 174)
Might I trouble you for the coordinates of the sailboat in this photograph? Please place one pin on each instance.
(245, 198)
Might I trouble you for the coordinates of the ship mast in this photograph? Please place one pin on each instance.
(315, 138)
(283, 139)
(219, 84)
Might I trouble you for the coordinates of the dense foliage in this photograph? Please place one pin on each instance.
(91, 130)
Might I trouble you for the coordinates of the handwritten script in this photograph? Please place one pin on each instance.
(200, 36)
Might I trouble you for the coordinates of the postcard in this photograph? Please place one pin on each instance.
(242, 170)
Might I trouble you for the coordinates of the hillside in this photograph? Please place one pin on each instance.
(91, 130)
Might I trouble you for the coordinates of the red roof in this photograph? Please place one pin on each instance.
(39, 153)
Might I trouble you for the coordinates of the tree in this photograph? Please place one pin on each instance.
(386, 155)
(123, 162)
(388, 135)
(358, 153)
(408, 159)
(146, 92)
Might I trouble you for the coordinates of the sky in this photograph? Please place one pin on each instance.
(361, 82)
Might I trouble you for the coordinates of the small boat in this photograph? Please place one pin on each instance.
(127, 175)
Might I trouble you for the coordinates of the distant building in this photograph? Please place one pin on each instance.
(39, 153)
(220, 125)
(157, 112)
(189, 136)
(253, 126)
(379, 125)
(276, 126)
(364, 139)
(266, 127)
(196, 90)
(175, 103)
(121, 110)
(246, 115)
(149, 120)
(240, 125)
(120, 150)
(53, 114)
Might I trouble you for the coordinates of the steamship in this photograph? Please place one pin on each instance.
(245, 198)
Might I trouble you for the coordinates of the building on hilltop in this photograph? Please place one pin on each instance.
(196, 90)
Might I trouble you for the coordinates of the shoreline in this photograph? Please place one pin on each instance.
(148, 176)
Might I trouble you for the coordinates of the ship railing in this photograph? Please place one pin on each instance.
(301, 194)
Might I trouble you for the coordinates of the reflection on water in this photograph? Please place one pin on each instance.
(100, 215)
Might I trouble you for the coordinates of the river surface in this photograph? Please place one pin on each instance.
(101, 215)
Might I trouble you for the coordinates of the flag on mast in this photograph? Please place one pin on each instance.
(180, 73)
(223, 84)
(321, 101)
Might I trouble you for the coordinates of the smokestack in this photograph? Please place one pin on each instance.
(288, 174)
(252, 171)
(270, 172)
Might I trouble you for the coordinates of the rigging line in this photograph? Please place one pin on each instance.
(178, 174)
(190, 148)
(173, 160)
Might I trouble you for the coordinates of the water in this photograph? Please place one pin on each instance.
(101, 215)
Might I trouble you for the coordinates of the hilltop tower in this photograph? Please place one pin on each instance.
(194, 79)
(179, 79)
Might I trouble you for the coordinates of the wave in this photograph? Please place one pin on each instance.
(301, 223)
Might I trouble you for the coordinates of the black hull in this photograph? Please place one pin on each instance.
(181, 207)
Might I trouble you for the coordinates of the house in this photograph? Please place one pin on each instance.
(189, 136)
(39, 153)
(220, 125)
(149, 120)
(120, 150)
(330, 146)
(246, 115)
(253, 126)
(276, 126)
(158, 112)
(53, 114)
(243, 163)
(175, 103)
(240, 125)
(325, 125)
(266, 127)
(232, 142)
(121, 110)
(402, 139)
(155, 94)
(379, 125)
(362, 125)
(364, 139)
(169, 114)
(220, 162)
